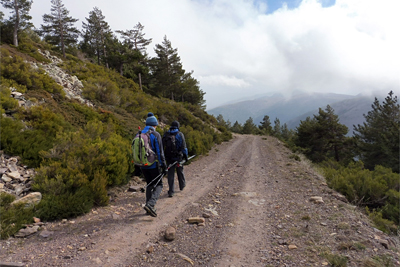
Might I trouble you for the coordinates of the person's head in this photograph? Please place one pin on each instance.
(175, 124)
(151, 120)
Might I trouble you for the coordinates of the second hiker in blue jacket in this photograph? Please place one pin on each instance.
(175, 150)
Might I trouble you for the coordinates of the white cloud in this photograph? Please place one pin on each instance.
(224, 81)
(236, 49)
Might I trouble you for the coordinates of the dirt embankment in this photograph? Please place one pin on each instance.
(261, 207)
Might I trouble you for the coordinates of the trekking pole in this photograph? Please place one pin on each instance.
(164, 173)
(140, 144)
(159, 177)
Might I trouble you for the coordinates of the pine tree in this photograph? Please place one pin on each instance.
(323, 137)
(96, 36)
(266, 125)
(59, 30)
(166, 70)
(277, 128)
(19, 15)
(134, 59)
(286, 133)
(378, 137)
(135, 38)
(331, 132)
(237, 128)
(249, 127)
(190, 91)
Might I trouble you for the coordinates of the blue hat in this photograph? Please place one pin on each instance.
(151, 120)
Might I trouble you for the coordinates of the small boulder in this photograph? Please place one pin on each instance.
(316, 200)
(29, 200)
(196, 220)
(170, 233)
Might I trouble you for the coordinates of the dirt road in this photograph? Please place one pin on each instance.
(257, 203)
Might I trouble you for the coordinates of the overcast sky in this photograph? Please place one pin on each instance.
(241, 48)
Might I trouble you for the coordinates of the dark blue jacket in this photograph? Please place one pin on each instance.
(180, 141)
(155, 141)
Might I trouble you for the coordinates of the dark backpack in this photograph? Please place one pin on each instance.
(143, 155)
(169, 142)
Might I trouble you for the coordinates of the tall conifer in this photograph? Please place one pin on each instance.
(96, 36)
(19, 15)
(378, 137)
(59, 28)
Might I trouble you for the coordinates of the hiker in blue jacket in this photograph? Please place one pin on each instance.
(175, 150)
(154, 188)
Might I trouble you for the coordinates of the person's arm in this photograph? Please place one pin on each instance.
(184, 148)
(159, 149)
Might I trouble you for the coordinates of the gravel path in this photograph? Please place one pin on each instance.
(255, 200)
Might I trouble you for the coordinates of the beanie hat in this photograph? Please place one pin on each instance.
(151, 120)
(175, 124)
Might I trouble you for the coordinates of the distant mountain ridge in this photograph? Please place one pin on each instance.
(291, 111)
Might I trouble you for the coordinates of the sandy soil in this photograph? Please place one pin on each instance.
(255, 200)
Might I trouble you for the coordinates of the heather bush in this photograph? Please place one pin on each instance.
(377, 189)
(101, 89)
(7, 102)
(13, 217)
(80, 168)
(16, 69)
(36, 134)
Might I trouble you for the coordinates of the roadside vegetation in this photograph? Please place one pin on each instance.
(364, 167)
(79, 151)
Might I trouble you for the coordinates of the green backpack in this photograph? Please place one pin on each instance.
(143, 155)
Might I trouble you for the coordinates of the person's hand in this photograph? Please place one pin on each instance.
(186, 157)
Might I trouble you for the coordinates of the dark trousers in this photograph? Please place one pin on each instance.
(157, 185)
(171, 178)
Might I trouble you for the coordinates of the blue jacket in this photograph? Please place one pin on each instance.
(155, 141)
(180, 141)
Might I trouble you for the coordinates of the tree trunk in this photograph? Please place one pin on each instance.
(121, 68)
(140, 82)
(62, 40)
(16, 25)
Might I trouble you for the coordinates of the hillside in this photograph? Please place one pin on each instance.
(276, 106)
(291, 111)
(73, 121)
(350, 112)
(260, 207)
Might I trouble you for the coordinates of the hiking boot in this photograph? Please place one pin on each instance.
(150, 210)
(182, 187)
(170, 194)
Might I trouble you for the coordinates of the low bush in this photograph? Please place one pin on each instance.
(377, 189)
(16, 69)
(13, 217)
(79, 169)
(36, 134)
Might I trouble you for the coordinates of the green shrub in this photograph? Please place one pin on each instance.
(382, 224)
(377, 189)
(13, 217)
(65, 205)
(15, 68)
(101, 89)
(30, 49)
(90, 159)
(37, 134)
(7, 102)
(335, 260)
